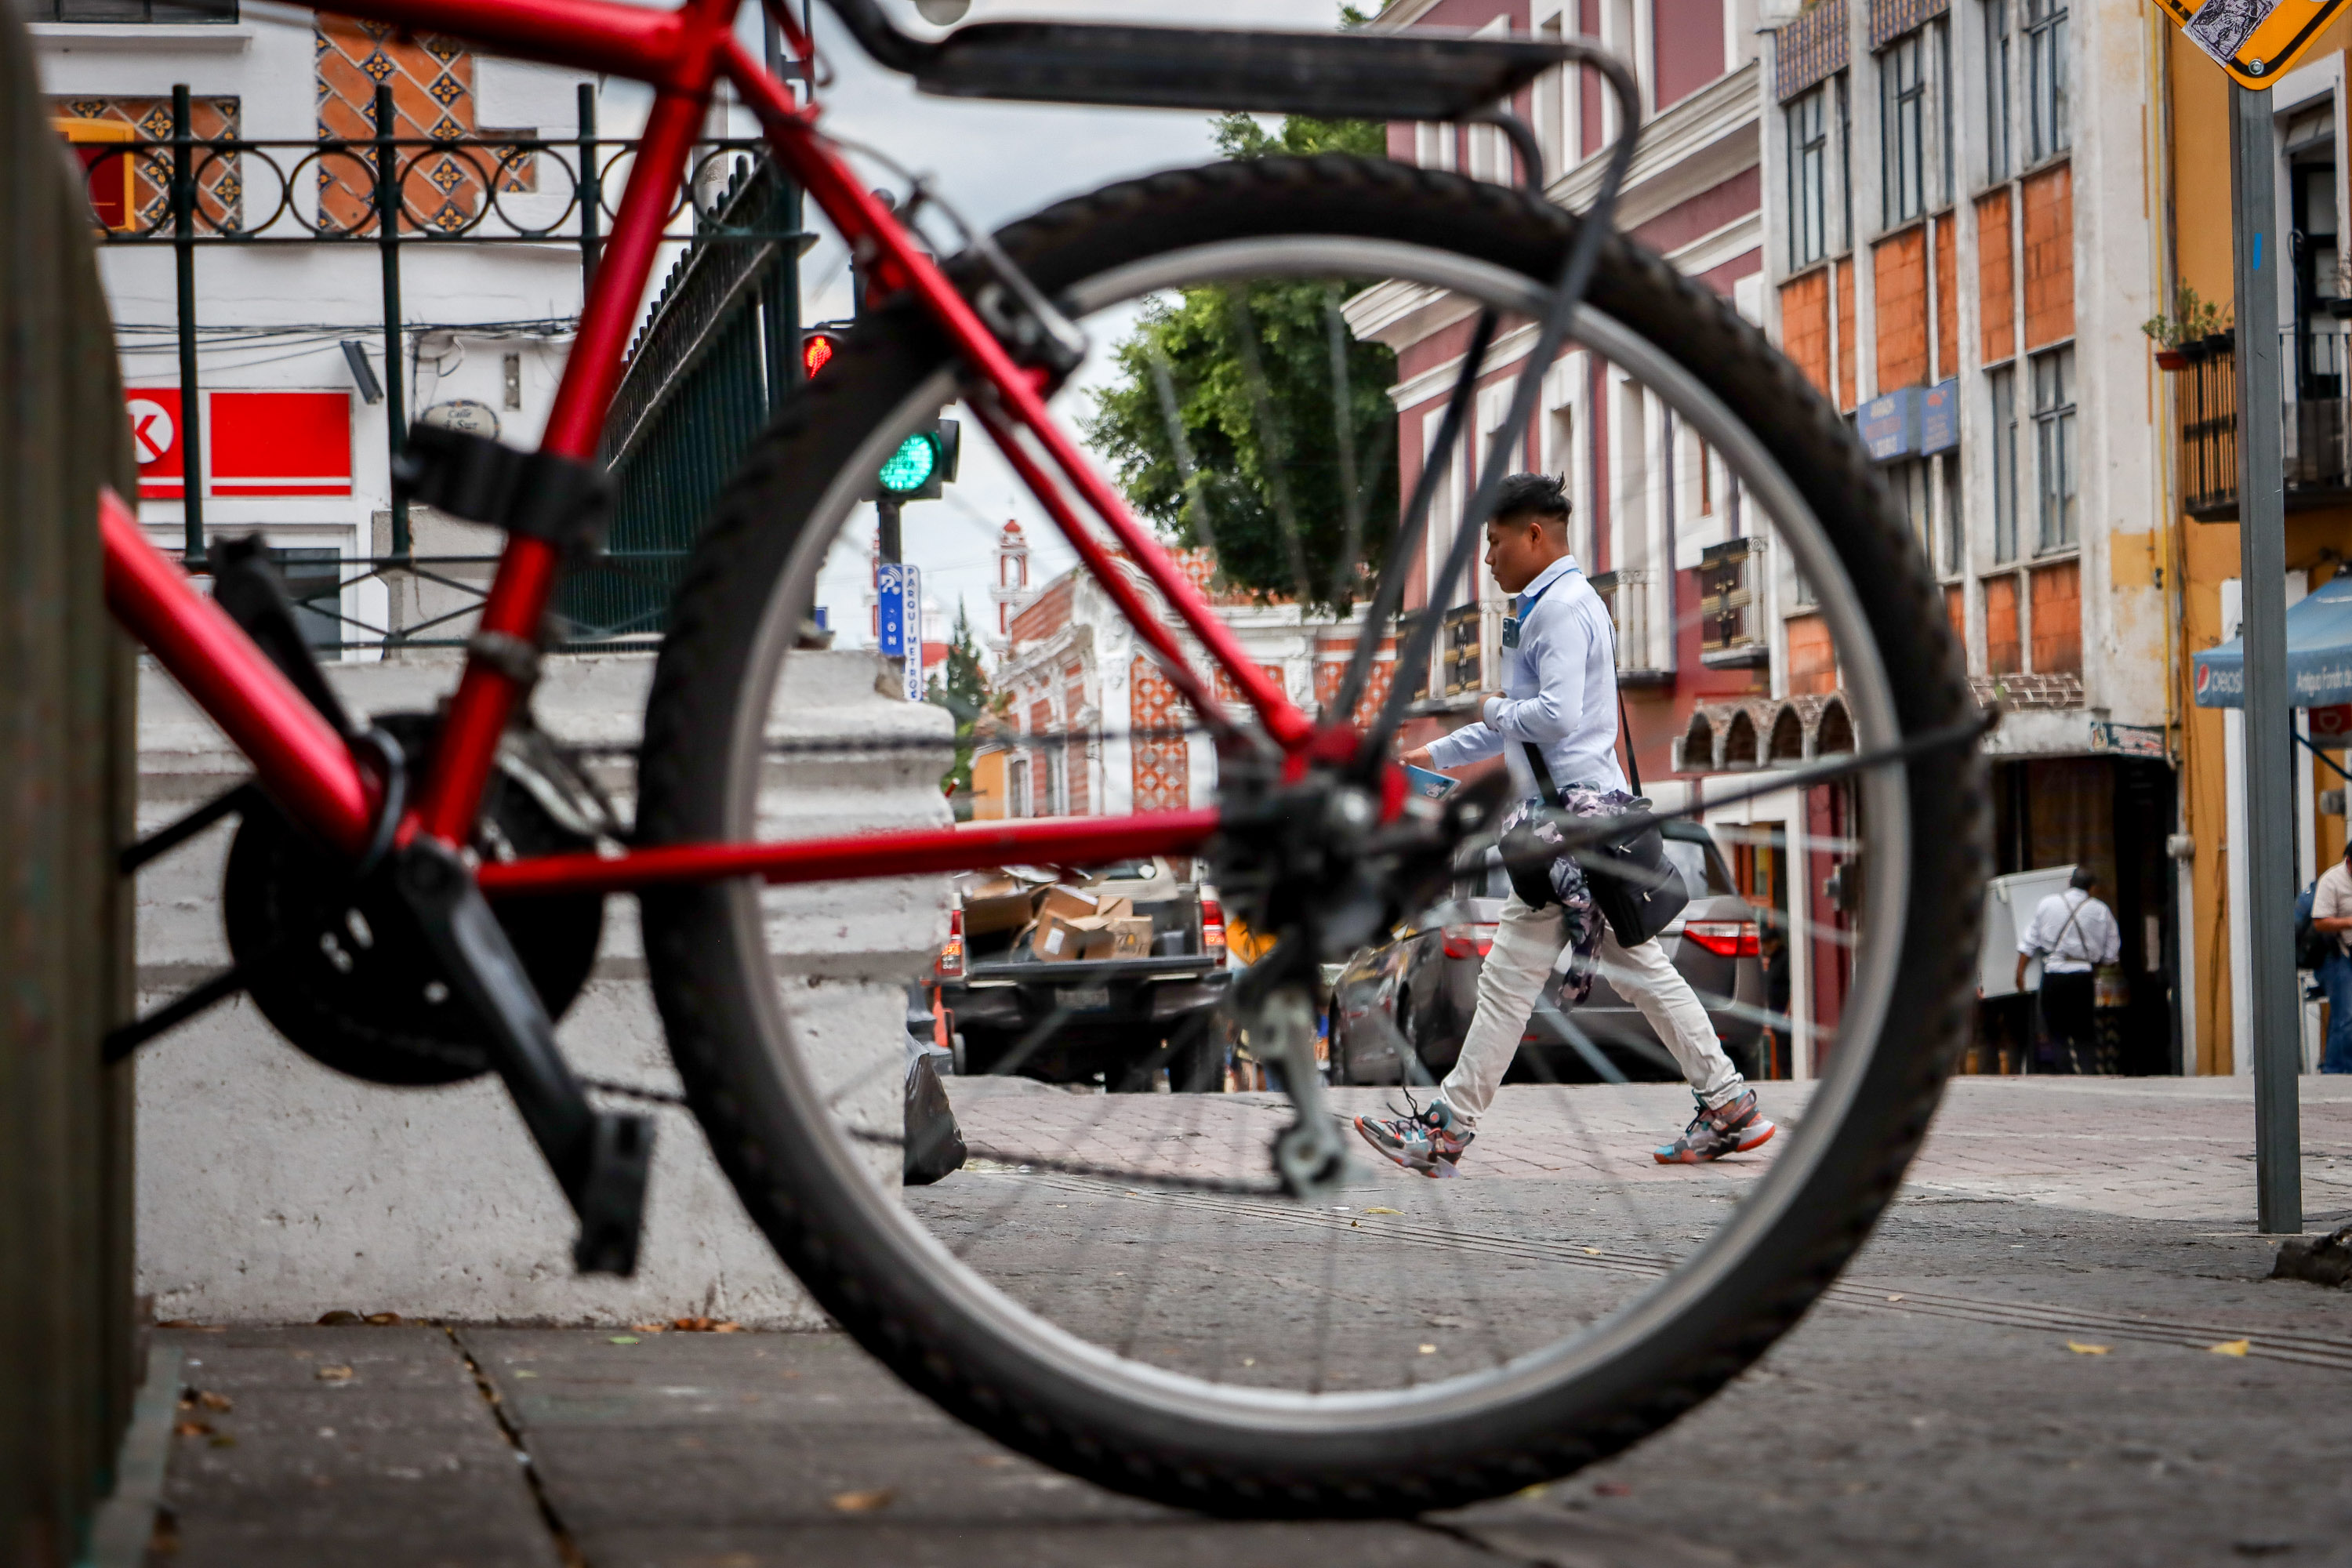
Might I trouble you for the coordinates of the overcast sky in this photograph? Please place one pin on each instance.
(997, 161)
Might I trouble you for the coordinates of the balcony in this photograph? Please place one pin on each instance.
(1459, 651)
(1627, 595)
(1728, 625)
(2317, 466)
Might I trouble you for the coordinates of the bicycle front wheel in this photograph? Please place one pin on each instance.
(1108, 1284)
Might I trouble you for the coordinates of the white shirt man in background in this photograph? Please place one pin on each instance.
(1560, 668)
(2073, 933)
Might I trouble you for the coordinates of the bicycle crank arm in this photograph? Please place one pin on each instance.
(600, 1158)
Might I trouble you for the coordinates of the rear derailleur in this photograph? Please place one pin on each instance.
(1323, 862)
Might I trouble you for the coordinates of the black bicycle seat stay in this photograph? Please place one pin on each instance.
(1333, 76)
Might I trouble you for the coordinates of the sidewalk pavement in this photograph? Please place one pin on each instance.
(1945, 1404)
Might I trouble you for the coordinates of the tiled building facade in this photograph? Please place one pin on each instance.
(1960, 233)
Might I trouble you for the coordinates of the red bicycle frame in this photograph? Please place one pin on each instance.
(682, 54)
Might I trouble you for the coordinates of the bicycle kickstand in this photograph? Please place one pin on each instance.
(599, 1157)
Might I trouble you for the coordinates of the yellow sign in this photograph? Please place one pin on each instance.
(2254, 40)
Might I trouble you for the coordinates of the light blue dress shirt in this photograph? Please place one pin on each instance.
(1561, 691)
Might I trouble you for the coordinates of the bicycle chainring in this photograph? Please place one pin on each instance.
(338, 965)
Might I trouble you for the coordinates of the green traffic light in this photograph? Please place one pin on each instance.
(909, 467)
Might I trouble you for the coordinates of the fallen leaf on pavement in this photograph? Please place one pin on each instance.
(1592, 1252)
(1429, 1350)
(624, 1339)
(2079, 1347)
(651, 1328)
(221, 1440)
(1895, 1297)
(863, 1502)
(193, 1429)
(338, 1373)
(1397, 1212)
(383, 1319)
(337, 1318)
(212, 1401)
(2231, 1347)
(1613, 1488)
(526, 1374)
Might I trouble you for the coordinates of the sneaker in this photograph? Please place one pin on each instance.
(1732, 1128)
(1427, 1142)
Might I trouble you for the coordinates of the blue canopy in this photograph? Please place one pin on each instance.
(2318, 654)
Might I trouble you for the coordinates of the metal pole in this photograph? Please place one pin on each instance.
(2270, 759)
(592, 190)
(191, 397)
(387, 240)
(886, 508)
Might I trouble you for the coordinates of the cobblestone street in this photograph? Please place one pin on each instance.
(2017, 1368)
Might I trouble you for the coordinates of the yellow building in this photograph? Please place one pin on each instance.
(2197, 554)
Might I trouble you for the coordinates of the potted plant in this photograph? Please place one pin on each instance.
(2195, 323)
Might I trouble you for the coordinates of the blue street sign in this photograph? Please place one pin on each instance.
(901, 593)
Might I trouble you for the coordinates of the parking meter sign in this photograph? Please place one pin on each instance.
(2254, 40)
(900, 590)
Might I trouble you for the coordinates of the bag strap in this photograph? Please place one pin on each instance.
(1550, 791)
(1625, 745)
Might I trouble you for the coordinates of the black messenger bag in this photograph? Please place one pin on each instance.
(1637, 890)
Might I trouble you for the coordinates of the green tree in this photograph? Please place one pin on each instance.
(1247, 420)
(963, 690)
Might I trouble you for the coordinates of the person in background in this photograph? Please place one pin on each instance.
(2073, 933)
(2331, 914)
(1560, 666)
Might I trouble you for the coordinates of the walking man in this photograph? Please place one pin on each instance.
(1560, 668)
(2331, 913)
(2073, 933)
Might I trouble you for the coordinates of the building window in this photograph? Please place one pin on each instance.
(1908, 480)
(174, 11)
(2046, 92)
(1433, 145)
(1017, 788)
(1941, 32)
(1955, 541)
(314, 586)
(2318, 275)
(2053, 447)
(1998, 163)
(1902, 128)
(2004, 464)
(1845, 161)
(1808, 168)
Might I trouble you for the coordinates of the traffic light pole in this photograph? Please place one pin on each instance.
(887, 507)
(2278, 1013)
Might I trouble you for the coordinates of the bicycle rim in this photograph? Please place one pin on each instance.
(1218, 1342)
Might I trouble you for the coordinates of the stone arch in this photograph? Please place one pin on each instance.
(1834, 732)
(1739, 742)
(1698, 744)
(1785, 741)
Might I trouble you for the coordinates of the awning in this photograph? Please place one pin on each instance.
(2318, 654)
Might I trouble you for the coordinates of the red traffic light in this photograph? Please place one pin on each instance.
(817, 350)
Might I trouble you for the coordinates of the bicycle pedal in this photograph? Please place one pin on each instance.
(611, 1196)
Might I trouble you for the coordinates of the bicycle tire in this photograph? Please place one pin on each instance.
(706, 964)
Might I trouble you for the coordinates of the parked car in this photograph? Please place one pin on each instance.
(1424, 980)
(1115, 1010)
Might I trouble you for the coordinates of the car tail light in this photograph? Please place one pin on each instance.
(1213, 929)
(1725, 939)
(950, 965)
(1467, 940)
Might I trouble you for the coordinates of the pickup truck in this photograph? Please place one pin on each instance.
(1098, 1018)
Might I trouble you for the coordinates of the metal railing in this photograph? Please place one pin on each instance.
(389, 194)
(2314, 433)
(1729, 628)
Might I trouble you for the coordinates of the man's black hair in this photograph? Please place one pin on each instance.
(2083, 878)
(1541, 495)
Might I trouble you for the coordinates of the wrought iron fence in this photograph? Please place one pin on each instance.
(2314, 434)
(720, 349)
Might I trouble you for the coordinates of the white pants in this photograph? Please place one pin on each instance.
(1526, 945)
